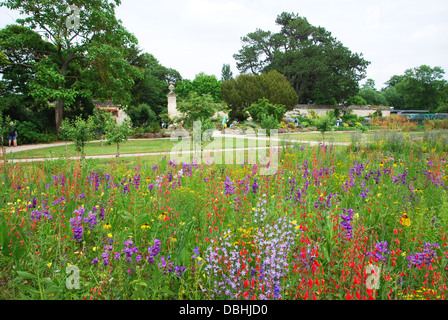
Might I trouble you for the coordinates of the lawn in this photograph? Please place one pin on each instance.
(344, 136)
(128, 147)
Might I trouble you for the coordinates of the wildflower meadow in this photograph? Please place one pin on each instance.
(333, 223)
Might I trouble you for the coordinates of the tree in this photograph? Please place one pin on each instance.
(81, 131)
(117, 133)
(394, 97)
(323, 124)
(22, 49)
(245, 90)
(89, 57)
(371, 95)
(196, 107)
(319, 68)
(423, 87)
(226, 73)
(152, 88)
(66, 133)
(202, 84)
(356, 101)
(263, 108)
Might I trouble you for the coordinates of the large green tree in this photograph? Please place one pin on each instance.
(420, 88)
(22, 49)
(202, 84)
(91, 51)
(318, 66)
(245, 90)
(372, 96)
(152, 88)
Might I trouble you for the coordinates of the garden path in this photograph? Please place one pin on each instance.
(217, 134)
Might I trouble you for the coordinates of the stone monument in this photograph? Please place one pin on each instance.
(172, 102)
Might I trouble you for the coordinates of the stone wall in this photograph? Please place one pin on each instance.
(305, 110)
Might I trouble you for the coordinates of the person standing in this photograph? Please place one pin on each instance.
(12, 136)
(224, 124)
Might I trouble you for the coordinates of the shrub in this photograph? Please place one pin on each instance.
(31, 133)
(196, 107)
(141, 115)
(264, 107)
(324, 124)
(269, 122)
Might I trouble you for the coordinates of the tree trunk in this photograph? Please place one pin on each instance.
(58, 110)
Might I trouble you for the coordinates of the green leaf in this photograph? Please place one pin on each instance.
(26, 276)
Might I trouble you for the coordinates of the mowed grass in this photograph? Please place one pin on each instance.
(129, 147)
(340, 136)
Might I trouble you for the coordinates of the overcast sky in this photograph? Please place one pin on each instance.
(194, 36)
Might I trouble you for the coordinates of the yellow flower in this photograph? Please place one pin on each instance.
(94, 248)
(173, 239)
(145, 226)
(49, 265)
(110, 235)
(107, 226)
(162, 216)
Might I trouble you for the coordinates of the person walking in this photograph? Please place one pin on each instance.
(12, 136)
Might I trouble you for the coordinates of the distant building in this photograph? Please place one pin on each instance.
(113, 109)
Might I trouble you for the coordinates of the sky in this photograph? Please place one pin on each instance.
(193, 36)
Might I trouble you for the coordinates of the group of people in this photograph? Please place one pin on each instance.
(224, 124)
(339, 122)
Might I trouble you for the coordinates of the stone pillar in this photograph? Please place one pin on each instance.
(172, 102)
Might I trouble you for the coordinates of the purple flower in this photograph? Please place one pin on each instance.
(380, 251)
(425, 258)
(346, 222)
(255, 186)
(229, 187)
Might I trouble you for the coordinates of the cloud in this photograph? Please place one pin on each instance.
(213, 12)
(373, 18)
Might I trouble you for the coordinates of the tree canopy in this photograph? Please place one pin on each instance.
(90, 51)
(422, 87)
(245, 90)
(319, 67)
(202, 84)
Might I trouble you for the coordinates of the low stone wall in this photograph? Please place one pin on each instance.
(361, 111)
